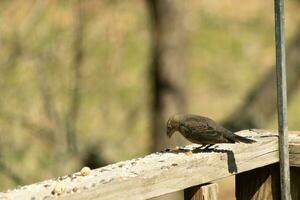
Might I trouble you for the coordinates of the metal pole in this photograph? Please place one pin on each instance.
(282, 101)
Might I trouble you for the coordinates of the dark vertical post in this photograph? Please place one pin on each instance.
(282, 100)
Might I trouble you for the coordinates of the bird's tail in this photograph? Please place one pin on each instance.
(238, 138)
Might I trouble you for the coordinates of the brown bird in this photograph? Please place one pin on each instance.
(202, 130)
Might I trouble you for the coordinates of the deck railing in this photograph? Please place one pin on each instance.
(188, 168)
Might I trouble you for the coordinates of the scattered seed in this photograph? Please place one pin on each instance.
(85, 171)
(174, 164)
(74, 189)
(133, 163)
(176, 148)
(47, 185)
(189, 153)
(59, 189)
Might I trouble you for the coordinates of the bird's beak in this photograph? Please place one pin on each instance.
(170, 133)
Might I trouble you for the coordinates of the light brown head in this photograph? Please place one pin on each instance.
(173, 125)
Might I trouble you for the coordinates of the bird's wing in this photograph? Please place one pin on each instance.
(204, 132)
(214, 126)
(197, 125)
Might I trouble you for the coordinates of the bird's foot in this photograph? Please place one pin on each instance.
(207, 147)
(203, 148)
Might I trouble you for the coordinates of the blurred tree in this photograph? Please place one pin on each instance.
(261, 103)
(72, 114)
(65, 124)
(167, 66)
(10, 173)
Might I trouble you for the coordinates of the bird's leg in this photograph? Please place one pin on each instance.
(203, 146)
(207, 146)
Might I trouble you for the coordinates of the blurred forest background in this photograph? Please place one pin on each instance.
(89, 82)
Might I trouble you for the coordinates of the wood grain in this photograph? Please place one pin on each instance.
(162, 172)
(202, 192)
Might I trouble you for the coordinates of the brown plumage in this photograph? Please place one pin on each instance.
(202, 130)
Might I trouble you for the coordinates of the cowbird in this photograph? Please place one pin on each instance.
(202, 130)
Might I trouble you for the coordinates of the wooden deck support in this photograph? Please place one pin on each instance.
(295, 183)
(259, 183)
(264, 183)
(202, 192)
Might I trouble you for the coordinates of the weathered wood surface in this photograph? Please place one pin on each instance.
(163, 172)
(294, 147)
(202, 192)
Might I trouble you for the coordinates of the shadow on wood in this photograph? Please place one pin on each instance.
(259, 183)
(295, 183)
(232, 167)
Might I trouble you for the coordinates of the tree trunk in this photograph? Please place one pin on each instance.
(167, 66)
(72, 115)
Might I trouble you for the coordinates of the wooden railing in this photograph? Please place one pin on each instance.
(188, 168)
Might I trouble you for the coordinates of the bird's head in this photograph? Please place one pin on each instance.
(172, 125)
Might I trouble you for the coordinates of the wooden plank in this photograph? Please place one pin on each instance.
(294, 147)
(295, 183)
(259, 183)
(202, 192)
(160, 173)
